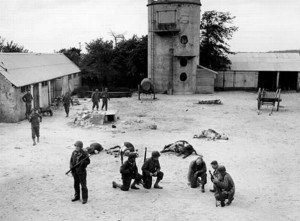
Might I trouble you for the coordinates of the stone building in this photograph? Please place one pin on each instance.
(173, 47)
(46, 75)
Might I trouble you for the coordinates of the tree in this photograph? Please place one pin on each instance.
(216, 28)
(11, 46)
(73, 54)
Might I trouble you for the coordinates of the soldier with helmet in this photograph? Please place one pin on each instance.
(80, 158)
(129, 172)
(197, 170)
(151, 168)
(225, 186)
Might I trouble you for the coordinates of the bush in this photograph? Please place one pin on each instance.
(81, 92)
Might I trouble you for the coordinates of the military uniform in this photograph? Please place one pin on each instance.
(105, 97)
(27, 98)
(152, 166)
(196, 171)
(227, 188)
(96, 99)
(79, 174)
(35, 120)
(67, 101)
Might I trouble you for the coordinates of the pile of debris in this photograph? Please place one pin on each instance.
(87, 118)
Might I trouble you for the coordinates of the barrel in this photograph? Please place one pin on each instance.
(146, 84)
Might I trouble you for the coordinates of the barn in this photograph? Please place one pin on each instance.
(45, 75)
(261, 70)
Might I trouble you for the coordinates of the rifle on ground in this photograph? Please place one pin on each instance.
(145, 155)
(77, 164)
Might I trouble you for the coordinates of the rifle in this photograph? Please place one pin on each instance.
(211, 176)
(122, 153)
(145, 155)
(73, 167)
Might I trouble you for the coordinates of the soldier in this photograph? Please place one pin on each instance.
(67, 101)
(35, 118)
(225, 187)
(105, 97)
(129, 171)
(80, 158)
(214, 164)
(27, 98)
(151, 168)
(96, 99)
(197, 169)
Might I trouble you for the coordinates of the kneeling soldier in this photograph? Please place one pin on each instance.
(225, 187)
(129, 171)
(151, 168)
(197, 169)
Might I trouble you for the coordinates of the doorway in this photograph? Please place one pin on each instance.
(267, 80)
(288, 81)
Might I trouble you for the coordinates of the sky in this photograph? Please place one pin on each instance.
(46, 26)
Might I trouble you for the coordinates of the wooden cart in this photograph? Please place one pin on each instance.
(268, 98)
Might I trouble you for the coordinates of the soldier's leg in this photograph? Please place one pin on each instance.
(33, 135)
(203, 181)
(137, 181)
(194, 182)
(219, 196)
(230, 198)
(147, 181)
(84, 189)
(97, 106)
(103, 104)
(160, 176)
(37, 132)
(106, 104)
(93, 105)
(76, 187)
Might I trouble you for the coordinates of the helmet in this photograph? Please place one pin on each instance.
(78, 144)
(155, 154)
(221, 169)
(132, 155)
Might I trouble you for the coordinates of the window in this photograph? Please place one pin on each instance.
(184, 39)
(25, 88)
(44, 83)
(166, 17)
(183, 76)
(183, 62)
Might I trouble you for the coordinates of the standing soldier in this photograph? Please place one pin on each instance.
(35, 118)
(129, 171)
(214, 164)
(27, 98)
(67, 101)
(151, 168)
(105, 97)
(80, 158)
(96, 99)
(197, 169)
(225, 187)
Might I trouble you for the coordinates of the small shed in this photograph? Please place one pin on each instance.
(261, 70)
(205, 80)
(45, 75)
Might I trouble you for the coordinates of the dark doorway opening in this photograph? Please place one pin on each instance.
(288, 80)
(267, 80)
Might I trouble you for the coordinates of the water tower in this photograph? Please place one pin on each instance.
(173, 44)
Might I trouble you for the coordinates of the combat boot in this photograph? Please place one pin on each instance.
(202, 189)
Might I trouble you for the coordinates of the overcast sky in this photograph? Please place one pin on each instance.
(48, 25)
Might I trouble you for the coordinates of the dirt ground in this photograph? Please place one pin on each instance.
(262, 156)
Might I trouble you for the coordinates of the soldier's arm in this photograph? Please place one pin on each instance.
(24, 98)
(190, 173)
(124, 169)
(203, 170)
(40, 116)
(223, 184)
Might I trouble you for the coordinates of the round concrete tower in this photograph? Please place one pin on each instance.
(173, 44)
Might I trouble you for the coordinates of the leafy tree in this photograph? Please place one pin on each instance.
(11, 46)
(216, 28)
(73, 54)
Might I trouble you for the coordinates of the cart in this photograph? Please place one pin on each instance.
(268, 98)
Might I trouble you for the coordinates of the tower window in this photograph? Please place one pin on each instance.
(183, 76)
(184, 39)
(183, 62)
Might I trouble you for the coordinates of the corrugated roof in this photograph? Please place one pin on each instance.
(265, 62)
(27, 68)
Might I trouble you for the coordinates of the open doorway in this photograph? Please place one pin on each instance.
(267, 80)
(288, 81)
